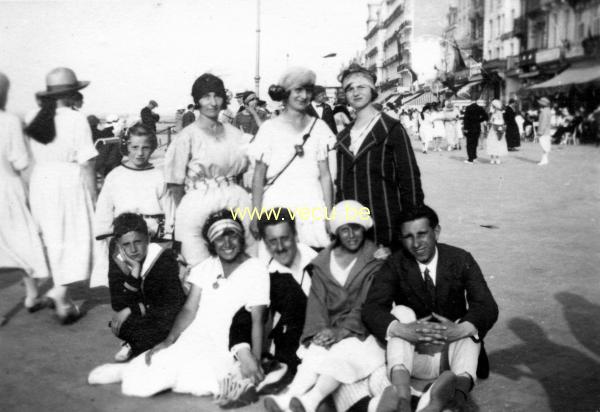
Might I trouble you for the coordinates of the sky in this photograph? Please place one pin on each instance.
(134, 50)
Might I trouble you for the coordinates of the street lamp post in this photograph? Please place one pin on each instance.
(257, 76)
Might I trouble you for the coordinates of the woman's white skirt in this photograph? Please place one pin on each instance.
(347, 361)
(62, 207)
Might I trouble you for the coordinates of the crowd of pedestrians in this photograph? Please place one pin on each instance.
(289, 255)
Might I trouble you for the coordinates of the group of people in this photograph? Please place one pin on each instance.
(327, 254)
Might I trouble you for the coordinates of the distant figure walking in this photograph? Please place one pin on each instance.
(496, 140)
(474, 116)
(188, 117)
(149, 118)
(544, 126)
(513, 135)
(20, 243)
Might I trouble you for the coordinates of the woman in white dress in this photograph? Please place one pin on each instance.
(63, 186)
(203, 168)
(450, 125)
(292, 167)
(20, 243)
(426, 127)
(195, 357)
(496, 138)
(135, 186)
(439, 132)
(337, 348)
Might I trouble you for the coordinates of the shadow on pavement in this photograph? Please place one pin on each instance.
(10, 276)
(526, 159)
(583, 319)
(569, 377)
(91, 297)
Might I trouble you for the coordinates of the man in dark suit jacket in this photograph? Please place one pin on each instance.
(320, 109)
(188, 117)
(473, 117)
(444, 309)
(148, 117)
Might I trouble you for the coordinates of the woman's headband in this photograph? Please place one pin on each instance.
(221, 226)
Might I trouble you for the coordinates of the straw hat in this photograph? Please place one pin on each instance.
(544, 101)
(349, 211)
(61, 80)
(497, 104)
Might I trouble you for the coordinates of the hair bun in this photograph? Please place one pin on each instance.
(276, 92)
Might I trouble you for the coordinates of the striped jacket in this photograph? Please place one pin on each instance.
(383, 175)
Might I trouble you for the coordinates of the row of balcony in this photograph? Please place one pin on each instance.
(372, 52)
(392, 59)
(395, 14)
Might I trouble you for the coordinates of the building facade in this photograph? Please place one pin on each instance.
(506, 45)
(403, 42)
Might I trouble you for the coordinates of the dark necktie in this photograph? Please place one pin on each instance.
(430, 286)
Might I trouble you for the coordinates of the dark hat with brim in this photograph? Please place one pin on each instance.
(60, 81)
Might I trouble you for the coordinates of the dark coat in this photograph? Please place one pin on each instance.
(513, 136)
(327, 116)
(154, 299)
(149, 118)
(383, 176)
(473, 117)
(188, 118)
(333, 305)
(461, 292)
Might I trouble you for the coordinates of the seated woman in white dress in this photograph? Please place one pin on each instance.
(135, 186)
(336, 346)
(195, 356)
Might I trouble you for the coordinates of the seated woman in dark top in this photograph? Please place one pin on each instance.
(145, 290)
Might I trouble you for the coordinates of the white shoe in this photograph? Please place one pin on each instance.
(468, 162)
(107, 373)
(124, 353)
(542, 163)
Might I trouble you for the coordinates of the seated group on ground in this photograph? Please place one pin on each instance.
(348, 328)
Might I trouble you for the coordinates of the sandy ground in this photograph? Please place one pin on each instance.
(535, 231)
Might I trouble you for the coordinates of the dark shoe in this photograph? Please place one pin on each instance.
(40, 303)
(72, 315)
(441, 392)
(248, 397)
(296, 405)
(391, 401)
(271, 404)
(277, 378)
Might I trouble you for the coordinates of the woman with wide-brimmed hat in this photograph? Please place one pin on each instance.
(63, 186)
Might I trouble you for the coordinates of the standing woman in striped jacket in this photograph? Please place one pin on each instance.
(376, 165)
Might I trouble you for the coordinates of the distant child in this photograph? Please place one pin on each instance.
(496, 138)
(135, 186)
(145, 291)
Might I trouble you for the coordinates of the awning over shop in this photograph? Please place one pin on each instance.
(465, 91)
(384, 96)
(420, 99)
(578, 74)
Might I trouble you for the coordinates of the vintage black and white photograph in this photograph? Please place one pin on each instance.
(300, 205)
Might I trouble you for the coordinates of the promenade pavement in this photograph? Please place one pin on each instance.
(535, 231)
